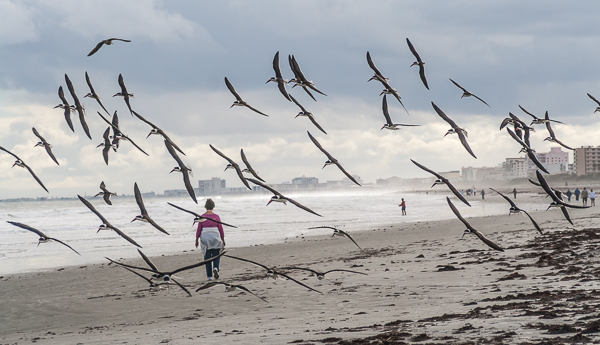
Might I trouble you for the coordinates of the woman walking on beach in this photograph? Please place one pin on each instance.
(211, 238)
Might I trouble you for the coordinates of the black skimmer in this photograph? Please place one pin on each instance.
(300, 79)
(93, 94)
(389, 90)
(278, 78)
(519, 126)
(45, 144)
(249, 168)
(467, 93)
(229, 287)
(118, 135)
(105, 224)
(297, 78)
(153, 286)
(528, 150)
(419, 63)
(105, 193)
(167, 276)
(442, 180)
(516, 210)
(273, 273)
(156, 130)
(66, 107)
(321, 275)
(308, 114)
(115, 137)
(552, 137)
(556, 201)
(556, 191)
(278, 197)
(78, 106)
(19, 162)
(106, 145)
(156, 275)
(124, 93)
(199, 218)
(595, 100)
(462, 134)
(239, 101)
(377, 76)
(144, 217)
(183, 169)
(108, 42)
(389, 124)
(537, 120)
(330, 159)
(472, 230)
(339, 233)
(43, 237)
(232, 165)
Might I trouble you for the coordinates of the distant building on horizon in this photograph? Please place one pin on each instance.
(210, 187)
(586, 160)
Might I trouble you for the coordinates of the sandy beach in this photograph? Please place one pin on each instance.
(426, 285)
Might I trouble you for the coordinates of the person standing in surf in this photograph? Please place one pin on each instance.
(403, 205)
(211, 238)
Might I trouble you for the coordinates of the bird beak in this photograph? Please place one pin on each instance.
(116, 94)
(268, 81)
(171, 171)
(446, 133)
(134, 219)
(149, 134)
(324, 166)
(433, 185)
(548, 207)
(232, 106)
(269, 202)
(58, 106)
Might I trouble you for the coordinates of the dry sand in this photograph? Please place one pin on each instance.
(425, 285)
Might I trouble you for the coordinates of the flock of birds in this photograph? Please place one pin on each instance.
(158, 278)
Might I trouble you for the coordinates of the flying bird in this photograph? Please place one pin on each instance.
(442, 180)
(556, 201)
(199, 218)
(320, 275)
(308, 114)
(153, 286)
(297, 77)
(552, 137)
(239, 101)
(78, 106)
(156, 130)
(105, 193)
(419, 63)
(462, 134)
(595, 100)
(301, 79)
(19, 162)
(537, 120)
(278, 197)
(144, 217)
(93, 94)
(183, 169)
(124, 93)
(556, 191)
(389, 90)
(66, 107)
(105, 224)
(339, 233)
(106, 145)
(377, 76)
(530, 152)
(519, 126)
(389, 124)
(232, 165)
(330, 159)
(45, 144)
(108, 42)
(516, 210)
(249, 168)
(229, 287)
(273, 273)
(472, 230)
(118, 134)
(43, 237)
(467, 93)
(278, 78)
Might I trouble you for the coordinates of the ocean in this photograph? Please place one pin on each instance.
(71, 222)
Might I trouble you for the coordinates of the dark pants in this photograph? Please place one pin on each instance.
(215, 263)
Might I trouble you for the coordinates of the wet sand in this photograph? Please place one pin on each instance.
(425, 284)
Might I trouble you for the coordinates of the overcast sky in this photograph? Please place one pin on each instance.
(541, 55)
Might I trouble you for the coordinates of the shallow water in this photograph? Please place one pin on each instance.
(71, 222)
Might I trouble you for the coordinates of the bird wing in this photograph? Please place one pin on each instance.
(174, 154)
(67, 108)
(512, 204)
(10, 153)
(456, 192)
(64, 244)
(463, 140)
(297, 282)
(106, 145)
(300, 268)
(264, 186)
(250, 292)
(138, 274)
(93, 209)
(201, 263)
(35, 177)
(276, 66)
(537, 227)
(458, 214)
(563, 145)
(96, 48)
(188, 185)
(486, 240)
(138, 199)
(386, 113)
(222, 155)
(372, 65)
(250, 261)
(152, 266)
(49, 151)
(351, 239)
(445, 117)
(122, 85)
(314, 121)
(106, 197)
(81, 113)
(72, 90)
(325, 227)
(129, 239)
(255, 110)
(153, 223)
(302, 206)
(209, 285)
(38, 134)
(103, 187)
(298, 104)
(27, 227)
(321, 147)
(413, 50)
(346, 173)
(566, 214)
(528, 113)
(234, 164)
(594, 99)
(232, 90)
(514, 136)
(314, 88)
(342, 270)
(484, 102)
(130, 266)
(144, 120)
(118, 39)
(182, 287)
(536, 161)
(556, 191)
(89, 82)
(303, 78)
(545, 186)
(422, 75)
(548, 127)
(460, 87)
(184, 210)
(134, 144)
(428, 170)
(245, 160)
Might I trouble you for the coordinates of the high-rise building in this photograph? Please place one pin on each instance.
(586, 160)
(213, 186)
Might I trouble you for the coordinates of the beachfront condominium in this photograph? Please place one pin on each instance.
(586, 160)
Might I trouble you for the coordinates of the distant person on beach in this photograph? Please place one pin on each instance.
(403, 205)
(483, 194)
(577, 192)
(515, 193)
(462, 192)
(592, 197)
(211, 238)
(474, 191)
(568, 194)
(584, 196)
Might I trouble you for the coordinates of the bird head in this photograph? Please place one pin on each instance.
(137, 218)
(271, 79)
(153, 131)
(229, 166)
(329, 162)
(467, 231)
(39, 144)
(89, 94)
(102, 227)
(177, 169)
